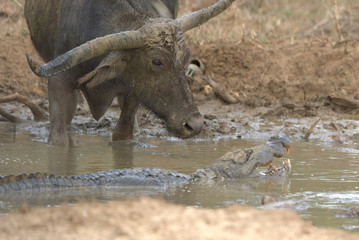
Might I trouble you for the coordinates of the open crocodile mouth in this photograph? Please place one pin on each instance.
(281, 171)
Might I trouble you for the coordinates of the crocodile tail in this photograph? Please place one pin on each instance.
(39, 181)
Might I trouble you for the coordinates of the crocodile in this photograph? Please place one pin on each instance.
(233, 165)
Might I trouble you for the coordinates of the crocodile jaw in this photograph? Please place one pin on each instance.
(281, 171)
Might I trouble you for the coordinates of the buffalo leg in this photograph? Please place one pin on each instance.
(125, 126)
(62, 106)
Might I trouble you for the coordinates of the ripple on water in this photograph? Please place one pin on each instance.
(350, 227)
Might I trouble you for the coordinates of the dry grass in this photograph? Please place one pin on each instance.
(280, 19)
(260, 19)
(12, 21)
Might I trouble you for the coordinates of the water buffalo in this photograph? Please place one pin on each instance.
(107, 48)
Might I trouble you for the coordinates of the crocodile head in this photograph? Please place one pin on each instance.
(246, 162)
(263, 156)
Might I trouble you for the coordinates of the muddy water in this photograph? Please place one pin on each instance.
(324, 179)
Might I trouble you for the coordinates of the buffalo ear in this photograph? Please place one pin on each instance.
(109, 68)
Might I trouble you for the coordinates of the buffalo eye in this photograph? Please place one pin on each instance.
(157, 63)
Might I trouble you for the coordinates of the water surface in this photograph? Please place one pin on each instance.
(324, 179)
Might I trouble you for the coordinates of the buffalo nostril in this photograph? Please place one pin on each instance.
(188, 127)
(194, 124)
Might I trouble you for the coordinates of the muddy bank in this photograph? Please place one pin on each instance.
(221, 121)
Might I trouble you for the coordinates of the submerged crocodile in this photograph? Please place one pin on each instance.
(232, 165)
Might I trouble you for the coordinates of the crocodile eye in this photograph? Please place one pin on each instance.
(157, 63)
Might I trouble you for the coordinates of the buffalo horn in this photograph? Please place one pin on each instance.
(197, 18)
(87, 51)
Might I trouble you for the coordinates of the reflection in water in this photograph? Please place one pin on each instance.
(122, 152)
(223, 193)
(324, 177)
(62, 160)
(8, 133)
(65, 161)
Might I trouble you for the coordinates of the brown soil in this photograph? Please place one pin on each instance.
(298, 72)
(15, 75)
(277, 58)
